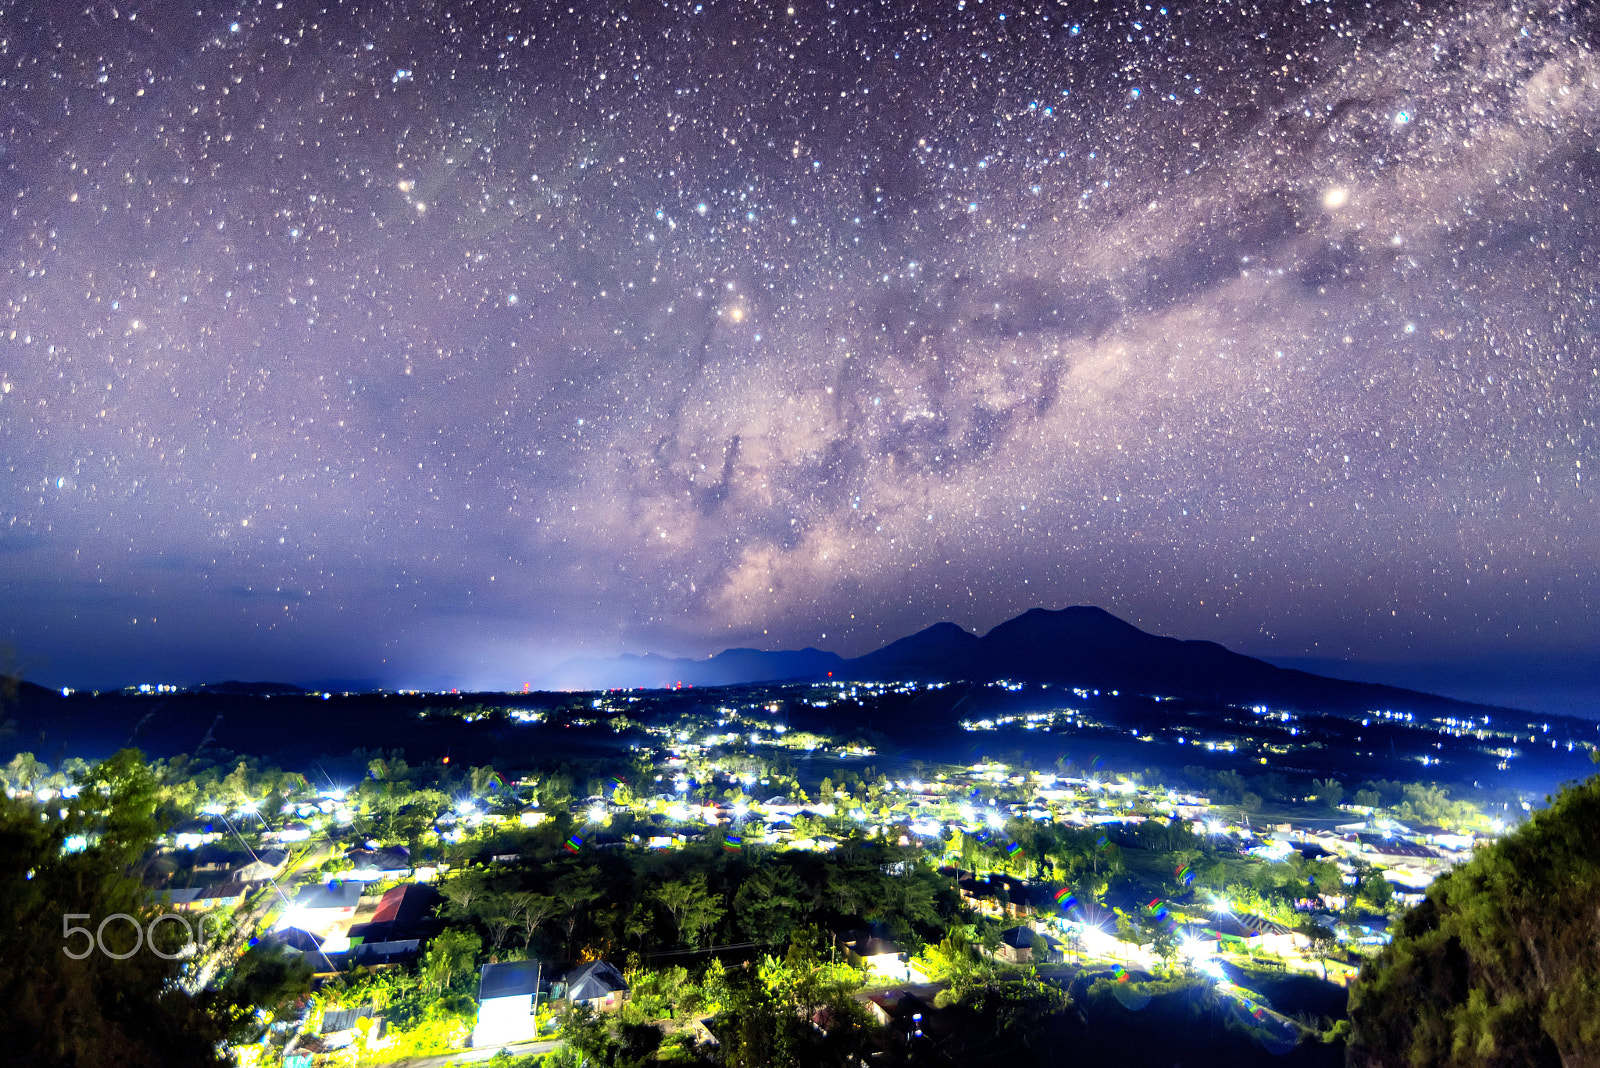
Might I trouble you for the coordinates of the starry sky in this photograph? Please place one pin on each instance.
(433, 343)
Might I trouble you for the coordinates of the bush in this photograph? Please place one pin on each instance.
(1500, 964)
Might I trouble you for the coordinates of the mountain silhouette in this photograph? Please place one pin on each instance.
(1081, 646)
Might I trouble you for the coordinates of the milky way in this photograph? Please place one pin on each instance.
(443, 341)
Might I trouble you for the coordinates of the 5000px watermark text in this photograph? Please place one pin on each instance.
(143, 936)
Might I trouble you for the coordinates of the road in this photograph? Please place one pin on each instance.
(247, 921)
(476, 1056)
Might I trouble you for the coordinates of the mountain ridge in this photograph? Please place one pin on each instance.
(1079, 646)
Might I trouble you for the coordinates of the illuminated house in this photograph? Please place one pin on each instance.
(323, 906)
(395, 932)
(507, 999)
(216, 896)
(266, 864)
(191, 834)
(375, 865)
(870, 953)
(1017, 947)
(597, 984)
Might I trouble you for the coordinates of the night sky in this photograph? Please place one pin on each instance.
(435, 343)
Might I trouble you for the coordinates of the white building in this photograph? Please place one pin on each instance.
(507, 999)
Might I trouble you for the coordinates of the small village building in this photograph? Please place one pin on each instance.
(323, 906)
(596, 984)
(227, 895)
(905, 1015)
(213, 857)
(867, 951)
(340, 1027)
(304, 1051)
(397, 928)
(376, 865)
(1017, 946)
(192, 834)
(265, 864)
(508, 996)
(995, 895)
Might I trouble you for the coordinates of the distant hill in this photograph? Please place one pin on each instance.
(728, 668)
(1081, 646)
(13, 688)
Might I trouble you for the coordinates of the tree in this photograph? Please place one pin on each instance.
(24, 771)
(480, 780)
(769, 904)
(1012, 1021)
(532, 910)
(906, 902)
(1130, 931)
(390, 768)
(1228, 785)
(1330, 791)
(1320, 942)
(575, 892)
(795, 1011)
(586, 1034)
(1500, 964)
(969, 853)
(952, 959)
(989, 939)
(500, 913)
(463, 891)
(410, 820)
(692, 908)
(67, 1000)
(1374, 890)
(1161, 937)
(453, 953)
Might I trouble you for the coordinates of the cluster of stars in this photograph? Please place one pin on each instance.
(1270, 323)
